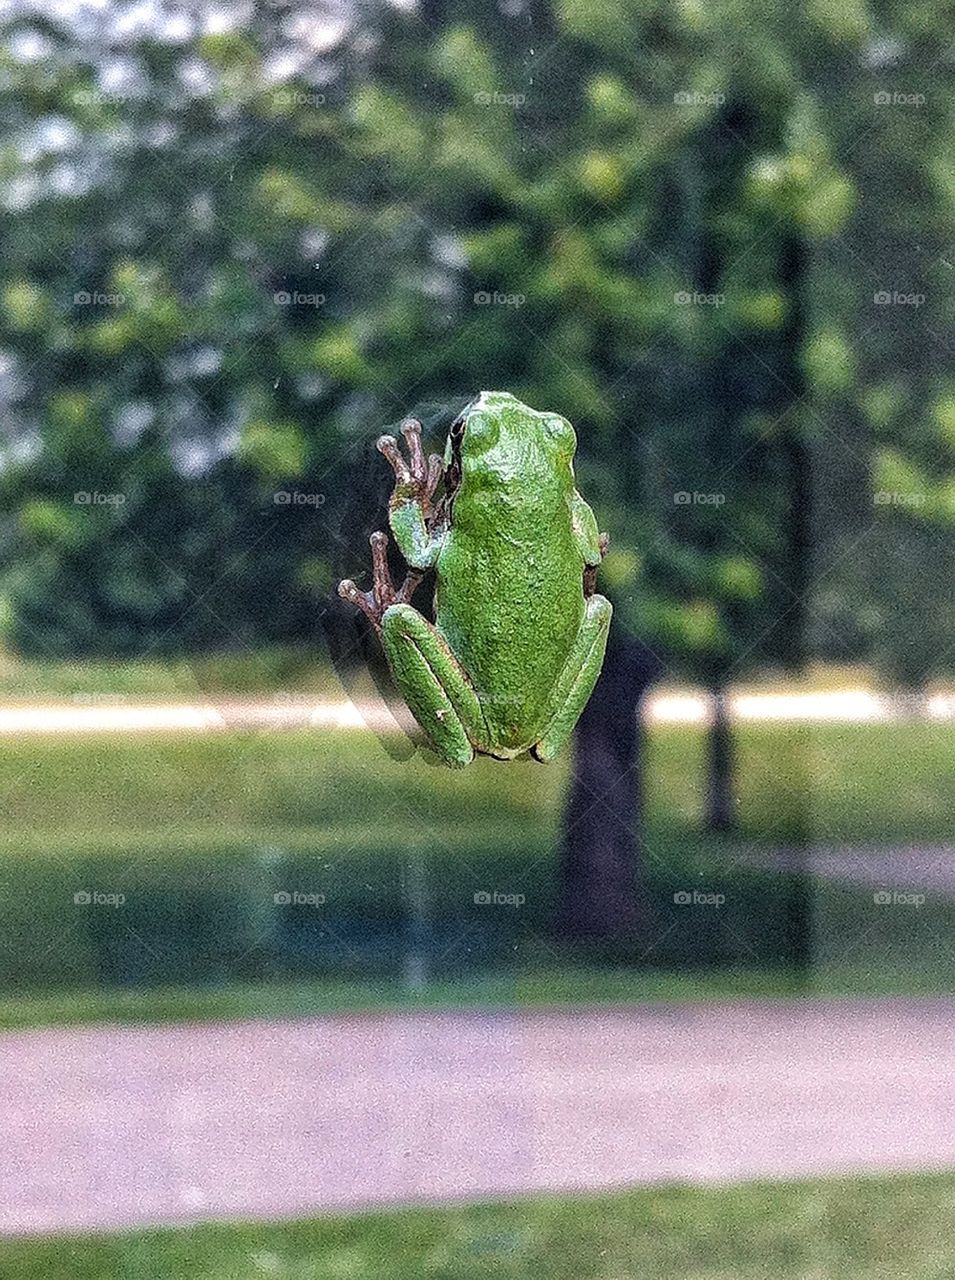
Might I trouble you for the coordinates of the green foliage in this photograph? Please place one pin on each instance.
(662, 221)
(273, 450)
(827, 359)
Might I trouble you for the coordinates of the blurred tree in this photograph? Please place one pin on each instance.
(632, 244)
(238, 245)
(880, 369)
(158, 462)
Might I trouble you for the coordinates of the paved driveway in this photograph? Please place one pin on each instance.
(111, 1127)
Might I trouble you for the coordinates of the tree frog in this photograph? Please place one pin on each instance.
(519, 633)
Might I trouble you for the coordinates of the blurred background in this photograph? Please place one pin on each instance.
(239, 242)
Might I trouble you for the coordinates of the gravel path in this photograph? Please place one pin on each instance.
(928, 869)
(111, 1127)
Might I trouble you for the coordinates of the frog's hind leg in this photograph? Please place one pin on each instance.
(433, 684)
(576, 682)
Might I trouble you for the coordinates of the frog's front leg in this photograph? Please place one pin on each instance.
(576, 682)
(411, 516)
(411, 511)
(433, 683)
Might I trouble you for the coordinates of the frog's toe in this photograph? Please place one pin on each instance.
(411, 430)
(367, 601)
(388, 446)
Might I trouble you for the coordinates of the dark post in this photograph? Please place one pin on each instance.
(720, 797)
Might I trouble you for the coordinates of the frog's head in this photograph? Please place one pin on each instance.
(499, 440)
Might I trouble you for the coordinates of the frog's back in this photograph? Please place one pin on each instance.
(510, 603)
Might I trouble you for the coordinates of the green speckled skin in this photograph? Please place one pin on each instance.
(516, 645)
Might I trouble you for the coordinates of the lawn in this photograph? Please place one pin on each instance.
(898, 1228)
(200, 832)
(831, 784)
(261, 671)
(566, 984)
(879, 784)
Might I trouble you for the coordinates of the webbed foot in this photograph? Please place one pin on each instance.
(383, 594)
(418, 477)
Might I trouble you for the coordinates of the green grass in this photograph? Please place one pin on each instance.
(880, 784)
(205, 824)
(114, 791)
(565, 985)
(548, 985)
(262, 671)
(897, 1228)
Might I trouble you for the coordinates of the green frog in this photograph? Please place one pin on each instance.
(519, 631)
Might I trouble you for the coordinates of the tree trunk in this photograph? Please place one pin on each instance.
(601, 840)
(720, 797)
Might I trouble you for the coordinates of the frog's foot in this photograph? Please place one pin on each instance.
(576, 682)
(383, 594)
(419, 476)
(434, 684)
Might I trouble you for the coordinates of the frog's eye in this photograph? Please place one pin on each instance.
(562, 434)
(481, 432)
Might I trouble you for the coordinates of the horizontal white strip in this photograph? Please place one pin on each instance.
(114, 715)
